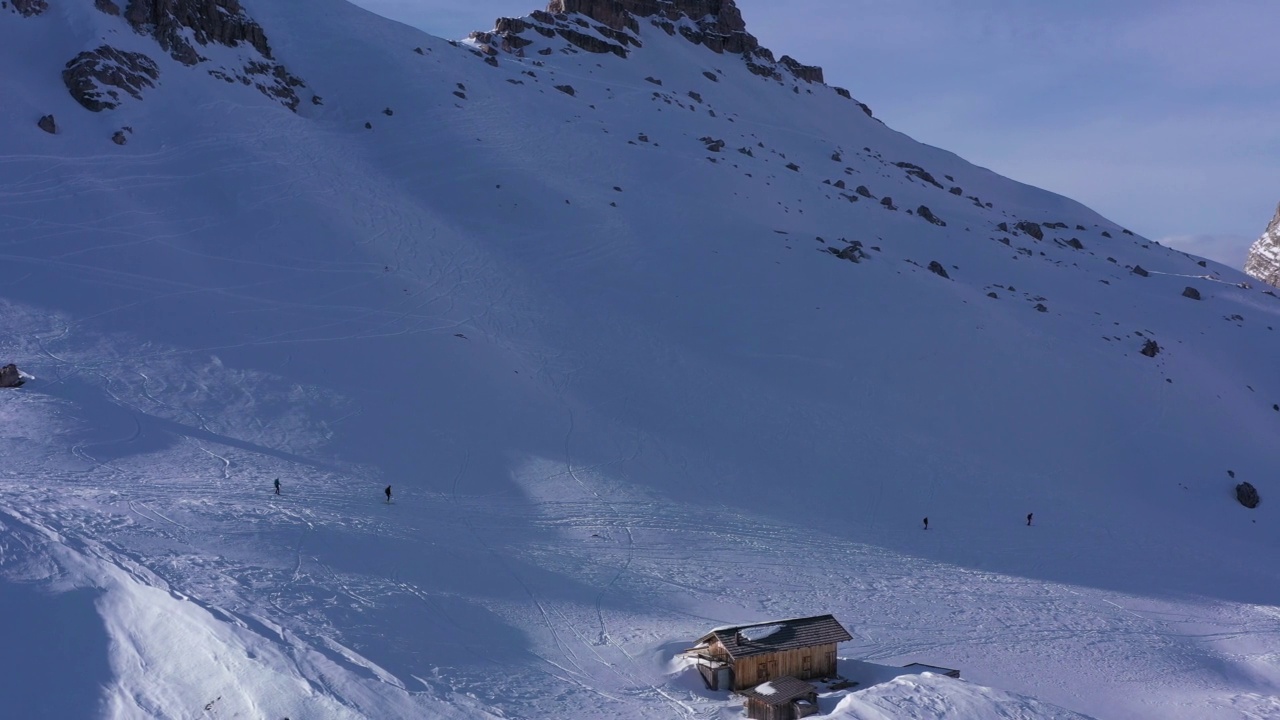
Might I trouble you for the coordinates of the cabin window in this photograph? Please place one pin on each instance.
(762, 672)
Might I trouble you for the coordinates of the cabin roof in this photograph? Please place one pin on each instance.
(784, 690)
(790, 634)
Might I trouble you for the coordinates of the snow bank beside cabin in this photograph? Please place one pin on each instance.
(936, 697)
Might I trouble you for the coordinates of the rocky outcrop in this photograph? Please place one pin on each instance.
(48, 124)
(29, 8)
(179, 26)
(175, 23)
(614, 26)
(1264, 257)
(1192, 293)
(96, 78)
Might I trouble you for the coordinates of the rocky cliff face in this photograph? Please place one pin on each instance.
(95, 78)
(615, 26)
(1264, 257)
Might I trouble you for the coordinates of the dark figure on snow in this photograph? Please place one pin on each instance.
(926, 523)
(277, 486)
(1029, 519)
(388, 492)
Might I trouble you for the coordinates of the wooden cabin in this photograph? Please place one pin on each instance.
(738, 657)
(783, 699)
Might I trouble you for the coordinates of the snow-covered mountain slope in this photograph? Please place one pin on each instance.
(605, 349)
(1263, 262)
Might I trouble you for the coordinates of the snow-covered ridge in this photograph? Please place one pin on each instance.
(685, 347)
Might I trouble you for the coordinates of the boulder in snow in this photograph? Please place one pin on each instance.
(11, 376)
(1246, 493)
(1192, 293)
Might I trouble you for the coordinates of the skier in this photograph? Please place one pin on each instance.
(277, 486)
(926, 523)
(388, 492)
(1029, 519)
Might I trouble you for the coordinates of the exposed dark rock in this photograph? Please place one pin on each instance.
(888, 202)
(864, 192)
(840, 184)
(1030, 228)
(119, 137)
(48, 124)
(1139, 270)
(1192, 293)
(807, 73)
(993, 296)
(171, 22)
(853, 252)
(30, 8)
(107, 7)
(388, 112)
(1106, 234)
(712, 144)
(793, 167)
(1263, 261)
(1246, 493)
(1041, 308)
(917, 171)
(936, 268)
(94, 77)
(956, 190)
(710, 76)
(567, 90)
(176, 24)
(1151, 348)
(368, 126)
(696, 97)
(10, 377)
(924, 212)
(1075, 243)
(1003, 227)
(653, 80)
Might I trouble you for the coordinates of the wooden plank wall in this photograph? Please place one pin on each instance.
(781, 664)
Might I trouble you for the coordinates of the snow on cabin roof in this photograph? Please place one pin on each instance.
(780, 691)
(775, 635)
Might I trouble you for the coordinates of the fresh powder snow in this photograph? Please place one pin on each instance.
(696, 344)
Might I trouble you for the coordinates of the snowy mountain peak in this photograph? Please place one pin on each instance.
(1264, 257)
(608, 26)
(577, 290)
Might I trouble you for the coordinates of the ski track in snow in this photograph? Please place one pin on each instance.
(606, 436)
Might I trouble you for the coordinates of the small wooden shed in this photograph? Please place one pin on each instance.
(922, 668)
(737, 657)
(786, 698)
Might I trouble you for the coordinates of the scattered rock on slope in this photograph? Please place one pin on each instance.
(1151, 348)
(1139, 270)
(936, 268)
(1192, 293)
(48, 124)
(1032, 229)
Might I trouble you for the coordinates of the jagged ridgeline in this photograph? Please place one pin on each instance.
(617, 27)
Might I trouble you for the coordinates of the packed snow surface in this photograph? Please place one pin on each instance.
(622, 385)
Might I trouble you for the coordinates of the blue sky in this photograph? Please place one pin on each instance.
(1163, 115)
